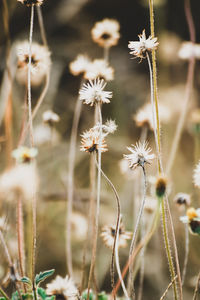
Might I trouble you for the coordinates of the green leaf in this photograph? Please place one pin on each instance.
(26, 280)
(15, 296)
(41, 292)
(84, 295)
(42, 276)
(102, 296)
(2, 298)
(27, 296)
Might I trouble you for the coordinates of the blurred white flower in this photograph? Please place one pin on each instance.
(50, 117)
(79, 65)
(99, 68)
(188, 50)
(40, 63)
(63, 287)
(196, 175)
(106, 33)
(24, 154)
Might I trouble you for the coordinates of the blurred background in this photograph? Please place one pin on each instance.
(68, 25)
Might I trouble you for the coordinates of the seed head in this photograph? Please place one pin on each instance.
(108, 234)
(161, 185)
(31, 2)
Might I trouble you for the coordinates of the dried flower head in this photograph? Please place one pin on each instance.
(20, 180)
(99, 68)
(161, 186)
(24, 154)
(40, 62)
(140, 155)
(79, 65)
(93, 92)
(140, 48)
(91, 141)
(196, 175)
(31, 2)
(192, 218)
(106, 33)
(62, 288)
(50, 117)
(189, 50)
(182, 199)
(108, 234)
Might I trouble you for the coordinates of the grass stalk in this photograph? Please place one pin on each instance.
(167, 247)
(141, 244)
(133, 241)
(196, 288)
(41, 24)
(186, 253)
(29, 78)
(167, 289)
(70, 183)
(20, 236)
(4, 294)
(96, 227)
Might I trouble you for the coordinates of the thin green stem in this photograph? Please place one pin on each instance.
(4, 294)
(167, 246)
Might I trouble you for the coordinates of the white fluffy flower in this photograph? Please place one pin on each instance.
(63, 286)
(40, 62)
(188, 50)
(140, 155)
(138, 49)
(50, 117)
(106, 33)
(79, 65)
(99, 68)
(93, 92)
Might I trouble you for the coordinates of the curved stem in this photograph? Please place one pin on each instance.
(167, 289)
(131, 281)
(70, 183)
(186, 253)
(20, 236)
(116, 229)
(142, 244)
(29, 78)
(117, 262)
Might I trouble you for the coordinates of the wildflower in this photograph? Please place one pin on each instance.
(31, 2)
(196, 175)
(93, 92)
(79, 65)
(24, 154)
(140, 155)
(91, 141)
(189, 50)
(108, 235)
(192, 218)
(161, 185)
(110, 126)
(106, 33)
(62, 288)
(50, 117)
(43, 134)
(182, 199)
(40, 62)
(20, 180)
(140, 48)
(99, 68)
(79, 227)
